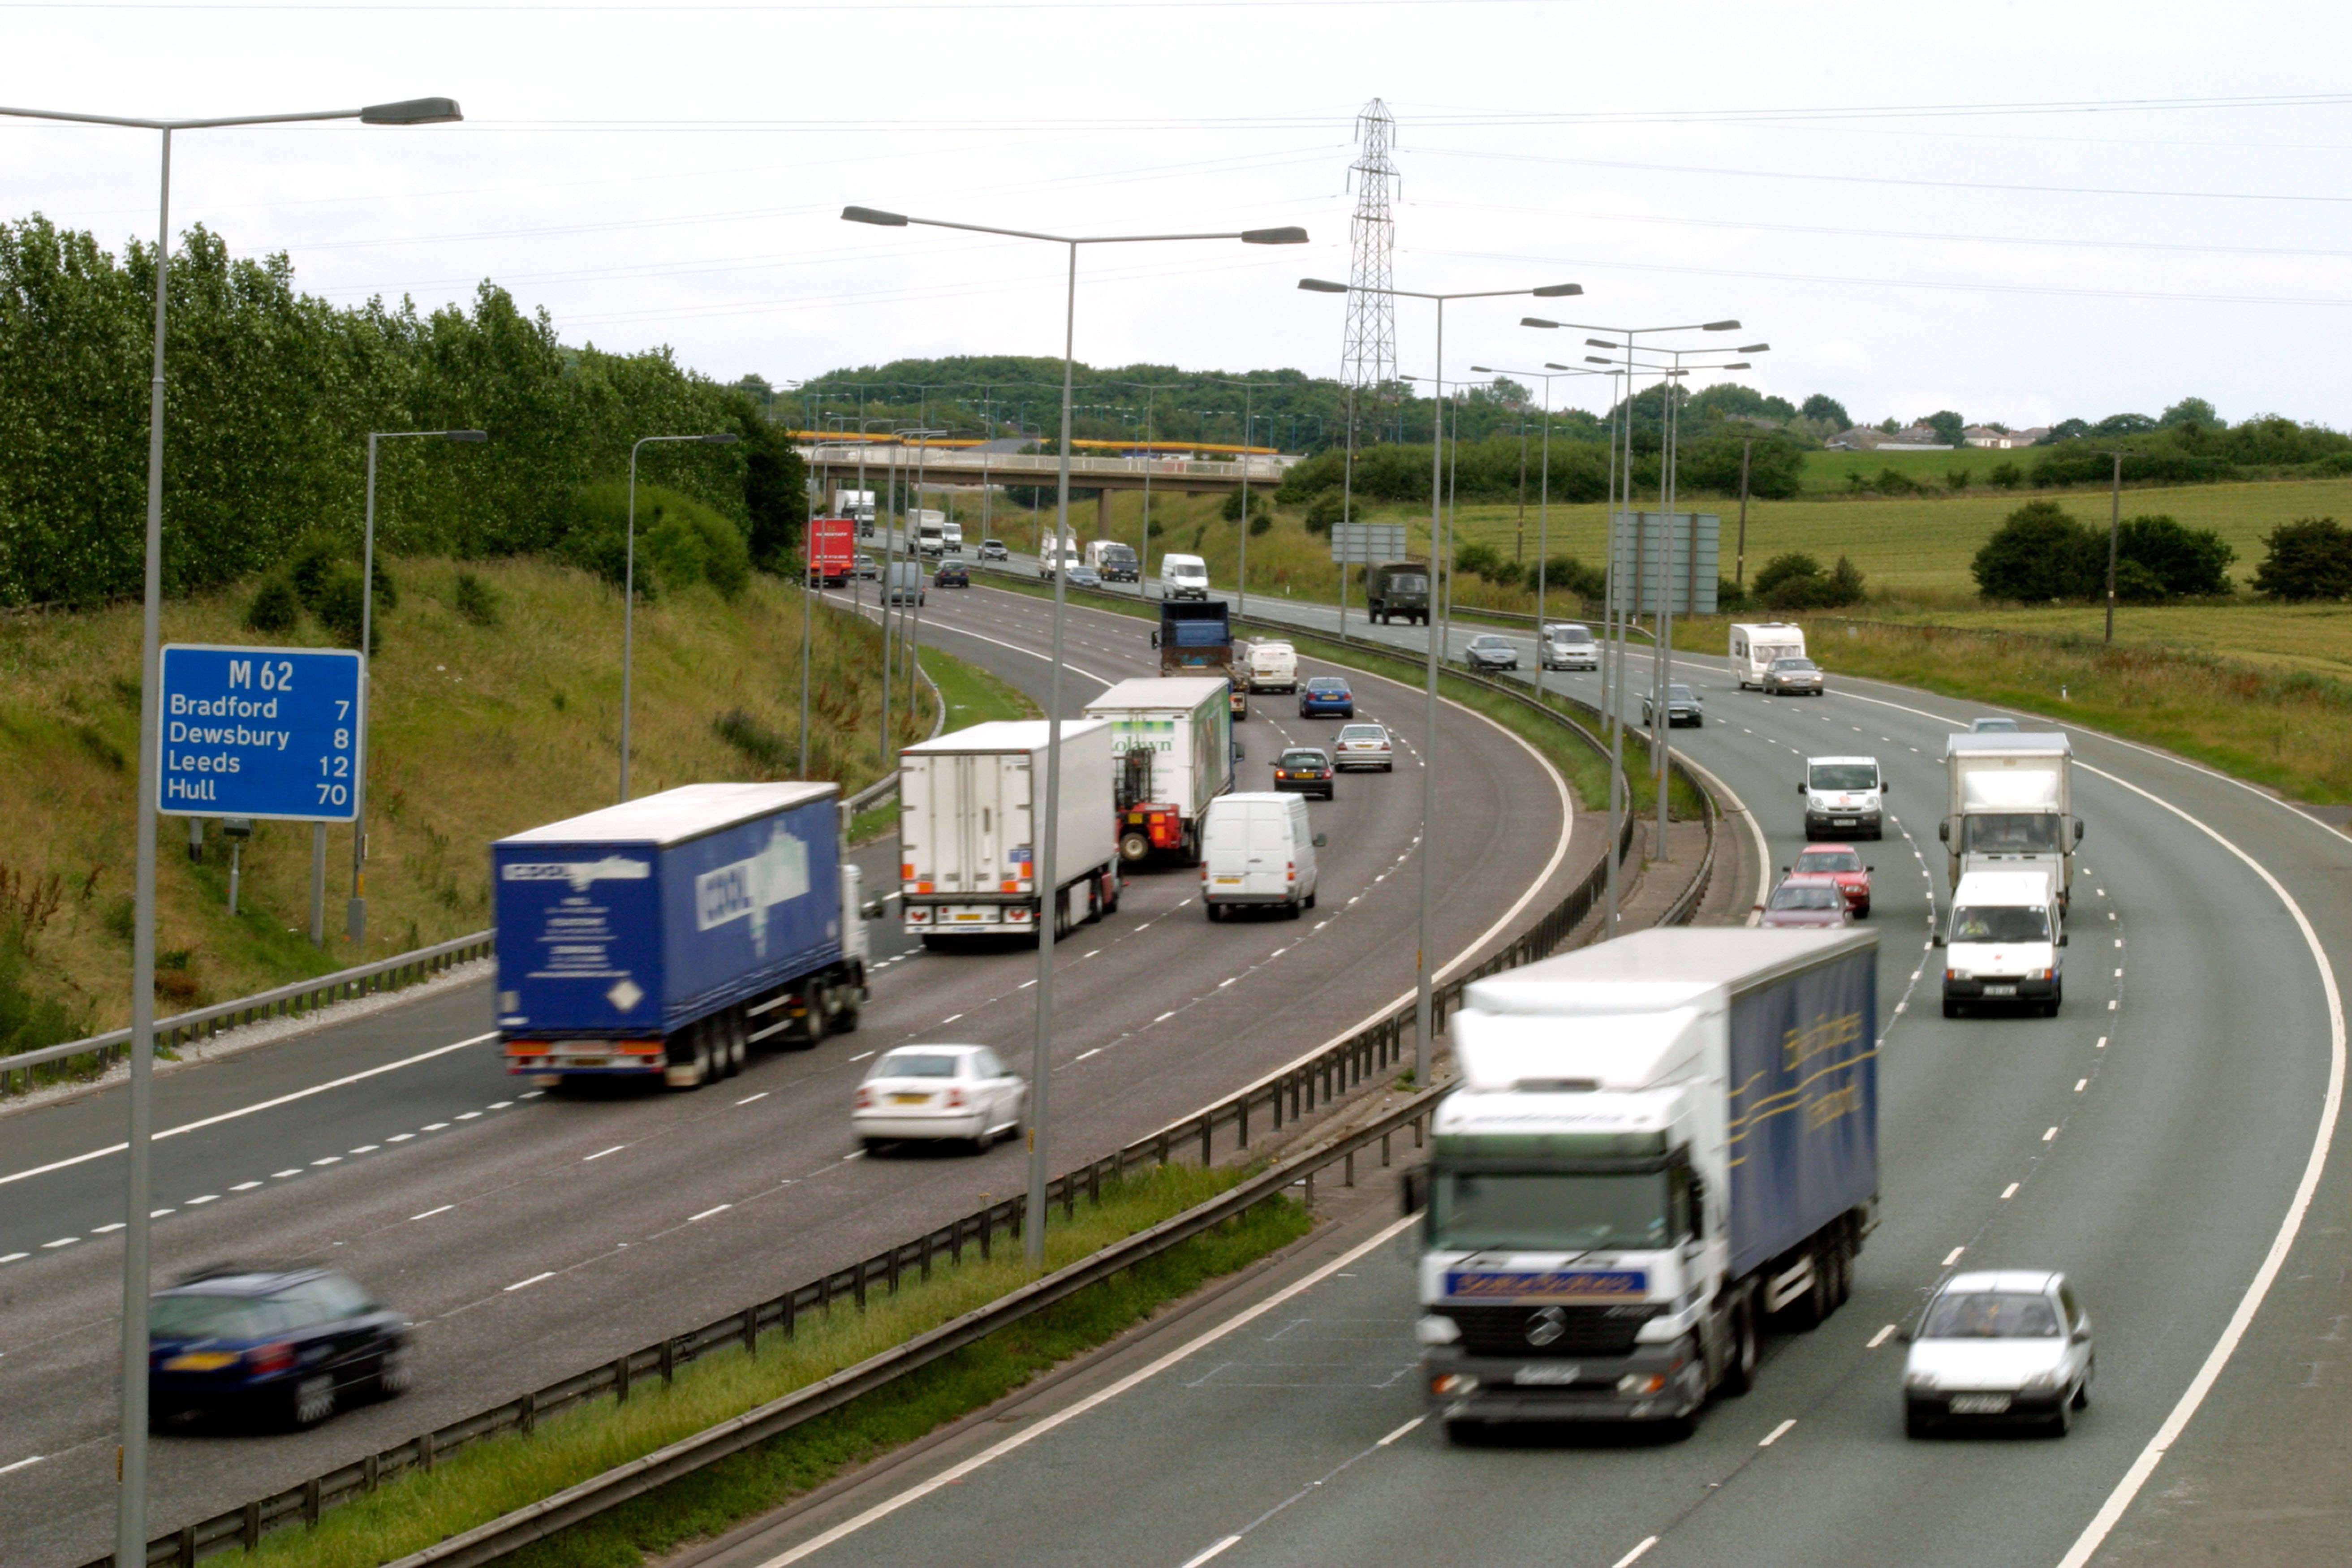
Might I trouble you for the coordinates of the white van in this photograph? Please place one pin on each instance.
(2001, 945)
(1566, 645)
(1845, 797)
(951, 538)
(1755, 645)
(1273, 667)
(1183, 577)
(1258, 849)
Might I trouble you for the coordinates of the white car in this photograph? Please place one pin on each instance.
(933, 1093)
(2008, 1345)
(1363, 746)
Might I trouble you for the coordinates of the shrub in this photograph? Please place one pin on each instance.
(275, 610)
(2180, 561)
(2310, 558)
(764, 748)
(340, 608)
(1793, 567)
(387, 592)
(1957, 480)
(1324, 510)
(1567, 574)
(2137, 584)
(475, 601)
(1486, 562)
(1892, 481)
(1728, 595)
(2038, 553)
(2005, 476)
(313, 560)
(1796, 581)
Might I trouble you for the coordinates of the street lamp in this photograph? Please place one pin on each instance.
(629, 582)
(131, 1508)
(1543, 506)
(1421, 982)
(355, 913)
(1033, 1231)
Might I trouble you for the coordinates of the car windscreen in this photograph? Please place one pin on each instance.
(1302, 759)
(210, 1318)
(1329, 684)
(1843, 776)
(1794, 663)
(2001, 922)
(1409, 583)
(916, 1064)
(2009, 833)
(1364, 733)
(1992, 1315)
(1557, 1211)
(1681, 694)
(1805, 897)
(1501, 643)
(1993, 727)
(1570, 634)
(1830, 861)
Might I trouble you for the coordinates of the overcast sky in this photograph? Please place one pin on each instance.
(1859, 185)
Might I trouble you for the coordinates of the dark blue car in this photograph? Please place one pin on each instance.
(281, 1343)
(1326, 697)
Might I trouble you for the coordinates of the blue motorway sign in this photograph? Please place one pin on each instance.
(261, 732)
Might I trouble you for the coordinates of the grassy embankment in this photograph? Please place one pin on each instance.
(481, 726)
(480, 1482)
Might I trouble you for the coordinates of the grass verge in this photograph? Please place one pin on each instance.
(491, 1477)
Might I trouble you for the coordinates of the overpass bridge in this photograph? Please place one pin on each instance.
(837, 463)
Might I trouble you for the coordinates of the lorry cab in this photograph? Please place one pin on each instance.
(1756, 644)
(1258, 849)
(2001, 946)
(1273, 667)
(1845, 797)
(1116, 561)
(1397, 588)
(1183, 577)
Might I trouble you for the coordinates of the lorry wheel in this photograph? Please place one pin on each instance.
(1133, 845)
(738, 1041)
(1740, 1366)
(1915, 1422)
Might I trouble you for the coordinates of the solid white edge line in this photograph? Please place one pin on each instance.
(249, 1109)
(1211, 1552)
(532, 1280)
(428, 1213)
(1881, 1337)
(1142, 1374)
(22, 1464)
(1400, 1431)
(2184, 1410)
(1635, 1555)
(1777, 1433)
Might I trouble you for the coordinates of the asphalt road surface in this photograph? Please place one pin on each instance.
(531, 1236)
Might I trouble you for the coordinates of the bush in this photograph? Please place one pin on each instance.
(275, 610)
(2137, 584)
(1567, 574)
(313, 560)
(1487, 563)
(1894, 481)
(2180, 560)
(387, 592)
(475, 601)
(1325, 510)
(2005, 476)
(1728, 595)
(2038, 553)
(2310, 558)
(1792, 567)
(764, 748)
(1261, 523)
(1957, 480)
(1796, 581)
(1776, 466)
(339, 609)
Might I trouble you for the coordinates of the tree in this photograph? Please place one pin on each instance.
(2190, 414)
(2178, 560)
(2005, 476)
(1821, 405)
(1947, 425)
(2310, 558)
(2124, 425)
(2038, 553)
(1796, 581)
(1889, 425)
(2065, 430)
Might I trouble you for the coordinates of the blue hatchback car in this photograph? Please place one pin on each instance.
(281, 1343)
(1326, 697)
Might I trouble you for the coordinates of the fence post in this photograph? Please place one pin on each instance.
(1241, 1121)
(791, 1305)
(184, 1547)
(250, 1528)
(311, 1501)
(423, 1462)
(669, 1361)
(529, 1414)
(752, 1330)
(621, 1381)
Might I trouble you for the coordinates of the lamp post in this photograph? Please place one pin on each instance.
(912, 616)
(1543, 504)
(355, 911)
(2115, 528)
(1033, 1230)
(1421, 962)
(629, 582)
(130, 1509)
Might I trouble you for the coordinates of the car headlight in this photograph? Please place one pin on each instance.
(1919, 1380)
(1959, 974)
(2037, 974)
(1435, 1328)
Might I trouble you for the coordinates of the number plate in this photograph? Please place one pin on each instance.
(1556, 1375)
(2000, 990)
(1842, 821)
(1228, 881)
(1980, 1404)
(911, 1099)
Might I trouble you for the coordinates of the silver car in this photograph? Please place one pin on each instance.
(1792, 678)
(2011, 1345)
(1364, 746)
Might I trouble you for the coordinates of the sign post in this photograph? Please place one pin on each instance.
(269, 733)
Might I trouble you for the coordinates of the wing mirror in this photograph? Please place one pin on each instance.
(1873, 869)
(1944, 830)
(873, 909)
(1800, 787)
(1413, 1192)
(2078, 830)
(1321, 839)
(1904, 1334)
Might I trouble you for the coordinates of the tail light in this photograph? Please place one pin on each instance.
(864, 1097)
(955, 1099)
(270, 1358)
(1290, 870)
(641, 1047)
(905, 870)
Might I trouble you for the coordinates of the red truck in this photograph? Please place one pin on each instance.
(832, 549)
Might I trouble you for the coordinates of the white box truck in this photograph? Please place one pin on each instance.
(2012, 806)
(1756, 644)
(968, 845)
(1172, 742)
(930, 528)
(1659, 1144)
(858, 504)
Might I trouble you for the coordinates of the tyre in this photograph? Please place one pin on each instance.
(1214, 911)
(1388, 767)
(844, 1022)
(1862, 911)
(1133, 845)
(1740, 1363)
(1916, 1421)
(2062, 1422)
(1951, 1009)
(1292, 912)
(311, 1401)
(392, 1374)
(1310, 901)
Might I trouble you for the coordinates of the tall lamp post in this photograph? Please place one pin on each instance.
(355, 911)
(629, 582)
(1543, 504)
(1033, 1230)
(130, 1507)
(1421, 960)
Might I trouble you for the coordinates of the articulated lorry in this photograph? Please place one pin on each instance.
(660, 939)
(1196, 638)
(968, 842)
(2012, 806)
(1660, 1145)
(1171, 753)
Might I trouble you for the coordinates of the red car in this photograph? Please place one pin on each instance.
(1805, 899)
(1842, 861)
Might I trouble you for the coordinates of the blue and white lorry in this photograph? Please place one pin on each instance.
(662, 938)
(1659, 1146)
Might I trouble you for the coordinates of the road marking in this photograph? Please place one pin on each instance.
(602, 1153)
(2103, 1043)
(1777, 1433)
(749, 1098)
(1084, 1055)
(500, 1104)
(1400, 1431)
(433, 1126)
(2009, 1191)
(2120, 974)
(367, 1148)
(244, 1187)
(108, 1229)
(532, 1280)
(1881, 1337)
(1635, 1555)
(2048, 1135)
(22, 1463)
(1953, 1256)
(158, 1214)
(1211, 1552)
(2111, 1004)
(956, 1473)
(706, 1214)
(2079, 1084)
(467, 1115)
(62, 1241)
(249, 1109)
(330, 1159)
(950, 1019)
(428, 1213)
(861, 1055)
(1223, 984)
(281, 1175)
(14, 1257)
(1165, 1016)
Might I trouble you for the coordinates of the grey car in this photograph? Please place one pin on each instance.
(994, 549)
(1792, 678)
(1083, 577)
(2008, 1345)
(1490, 651)
(1684, 706)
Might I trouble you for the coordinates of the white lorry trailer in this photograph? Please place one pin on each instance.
(967, 844)
(1660, 1144)
(2012, 806)
(1171, 741)
(1756, 644)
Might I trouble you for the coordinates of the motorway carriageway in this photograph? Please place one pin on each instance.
(532, 1236)
(2159, 1139)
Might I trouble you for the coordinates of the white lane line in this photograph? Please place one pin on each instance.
(158, 1214)
(108, 1229)
(1635, 1555)
(433, 1126)
(706, 1214)
(467, 1115)
(244, 1187)
(281, 1175)
(428, 1213)
(956, 1473)
(532, 1280)
(1777, 1433)
(950, 1018)
(367, 1148)
(1881, 1337)
(22, 1463)
(1165, 1016)
(500, 1104)
(2048, 1135)
(1211, 1552)
(1084, 1055)
(1400, 1431)
(861, 1055)
(2009, 1191)
(2103, 1043)
(208, 1197)
(330, 1159)
(1223, 984)
(250, 1110)
(602, 1153)
(749, 1098)
(2081, 1084)
(62, 1241)
(14, 1257)
(2111, 1004)
(1953, 1256)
